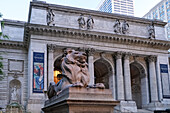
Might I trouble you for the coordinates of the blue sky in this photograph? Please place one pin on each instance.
(18, 9)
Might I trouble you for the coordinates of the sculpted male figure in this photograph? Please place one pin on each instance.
(125, 27)
(116, 26)
(151, 31)
(90, 22)
(81, 21)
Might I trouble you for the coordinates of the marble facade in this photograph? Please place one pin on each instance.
(128, 63)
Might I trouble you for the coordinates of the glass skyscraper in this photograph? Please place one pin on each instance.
(162, 12)
(125, 7)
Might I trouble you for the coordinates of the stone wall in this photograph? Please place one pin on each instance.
(15, 68)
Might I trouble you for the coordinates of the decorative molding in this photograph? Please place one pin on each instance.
(12, 44)
(104, 37)
(15, 74)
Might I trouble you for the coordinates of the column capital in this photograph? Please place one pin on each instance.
(118, 55)
(152, 58)
(50, 47)
(90, 51)
(127, 55)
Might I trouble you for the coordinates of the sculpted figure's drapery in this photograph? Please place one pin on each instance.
(81, 21)
(50, 16)
(90, 22)
(15, 91)
(151, 31)
(125, 27)
(116, 26)
(14, 95)
(121, 27)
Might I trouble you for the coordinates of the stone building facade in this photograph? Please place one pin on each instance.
(128, 54)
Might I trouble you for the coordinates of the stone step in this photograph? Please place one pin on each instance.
(144, 111)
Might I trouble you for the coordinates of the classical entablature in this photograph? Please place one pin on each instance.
(12, 44)
(92, 36)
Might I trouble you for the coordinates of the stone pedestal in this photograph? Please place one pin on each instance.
(81, 100)
(126, 106)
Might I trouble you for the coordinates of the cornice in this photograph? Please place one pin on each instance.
(12, 44)
(14, 22)
(92, 35)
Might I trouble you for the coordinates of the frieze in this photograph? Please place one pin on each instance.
(73, 33)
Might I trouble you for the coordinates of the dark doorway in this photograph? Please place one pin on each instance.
(136, 85)
(102, 72)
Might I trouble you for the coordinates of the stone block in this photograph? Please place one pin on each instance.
(126, 106)
(81, 100)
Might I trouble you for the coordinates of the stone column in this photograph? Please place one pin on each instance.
(152, 79)
(127, 78)
(119, 76)
(50, 64)
(91, 65)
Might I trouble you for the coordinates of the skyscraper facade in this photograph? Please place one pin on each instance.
(162, 12)
(125, 7)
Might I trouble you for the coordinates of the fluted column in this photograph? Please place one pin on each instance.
(50, 64)
(127, 78)
(91, 65)
(119, 76)
(152, 79)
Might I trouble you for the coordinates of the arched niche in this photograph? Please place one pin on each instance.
(139, 84)
(103, 72)
(15, 91)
